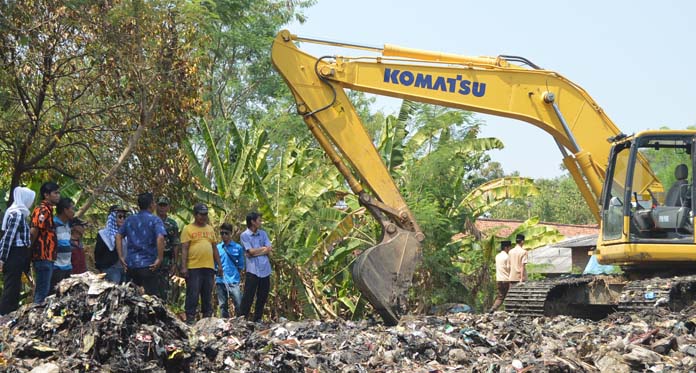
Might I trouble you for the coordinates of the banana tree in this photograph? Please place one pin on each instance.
(297, 194)
(437, 164)
(222, 167)
(313, 218)
(475, 250)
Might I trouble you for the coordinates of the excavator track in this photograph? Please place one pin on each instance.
(674, 293)
(543, 298)
(527, 299)
(594, 297)
(589, 297)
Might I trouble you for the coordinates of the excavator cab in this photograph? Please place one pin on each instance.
(647, 214)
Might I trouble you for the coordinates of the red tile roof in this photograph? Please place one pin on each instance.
(506, 227)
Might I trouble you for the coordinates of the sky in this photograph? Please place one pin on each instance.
(636, 59)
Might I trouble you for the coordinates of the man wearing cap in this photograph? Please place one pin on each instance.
(145, 233)
(502, 274)
(171, 248)
(518, 261)
(232, 259)
(199, 258)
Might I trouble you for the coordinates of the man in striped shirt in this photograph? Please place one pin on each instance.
(14, 248)
(62, 267)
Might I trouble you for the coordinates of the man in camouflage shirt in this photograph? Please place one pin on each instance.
(171, 251)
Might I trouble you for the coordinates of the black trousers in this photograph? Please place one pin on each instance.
(199, 285)
(255, 286)
(17, 262)
(146, 278)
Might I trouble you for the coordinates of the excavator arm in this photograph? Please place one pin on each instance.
(490, 85)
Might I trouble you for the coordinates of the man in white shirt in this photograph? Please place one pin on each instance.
(502, 274)
(518, 261)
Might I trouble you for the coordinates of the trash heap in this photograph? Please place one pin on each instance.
(97, 326)
(657, 341)
(94, 325)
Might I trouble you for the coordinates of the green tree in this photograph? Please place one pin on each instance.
(240, 83)
(567, 206)
(49, 81)
(88, 89)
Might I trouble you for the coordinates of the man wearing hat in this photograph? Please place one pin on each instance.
(518, 261)
(199, 258)
(171, 248)
(502, 274)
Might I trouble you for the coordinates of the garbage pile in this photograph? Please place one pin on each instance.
(96, 326)
(657, 341)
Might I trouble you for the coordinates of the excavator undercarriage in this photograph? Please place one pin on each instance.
(594, 297)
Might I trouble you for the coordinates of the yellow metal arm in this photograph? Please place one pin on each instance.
(483, 84)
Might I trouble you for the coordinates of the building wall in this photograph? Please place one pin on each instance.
(580, 257)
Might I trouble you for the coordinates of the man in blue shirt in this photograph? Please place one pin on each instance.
(145, 233)
(232, 259)
(258, 276)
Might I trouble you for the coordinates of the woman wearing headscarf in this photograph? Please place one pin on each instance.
(15, 252)
(105, 254)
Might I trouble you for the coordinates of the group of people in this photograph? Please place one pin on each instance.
(50, 242)
(510, 268)
(145, 248)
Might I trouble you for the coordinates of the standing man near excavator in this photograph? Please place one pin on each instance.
(518, 261)
(502, 274)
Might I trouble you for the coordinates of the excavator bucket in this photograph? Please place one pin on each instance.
(383, 273)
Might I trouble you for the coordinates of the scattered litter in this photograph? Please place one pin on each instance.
(92, 326)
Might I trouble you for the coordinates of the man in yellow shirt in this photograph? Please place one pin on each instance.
(198, 262)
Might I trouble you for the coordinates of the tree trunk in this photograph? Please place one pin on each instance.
(132, 142)
(16, 177)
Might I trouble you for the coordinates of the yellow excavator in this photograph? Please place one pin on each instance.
(639, 186)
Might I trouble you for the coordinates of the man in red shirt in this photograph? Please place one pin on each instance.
(43, 238)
